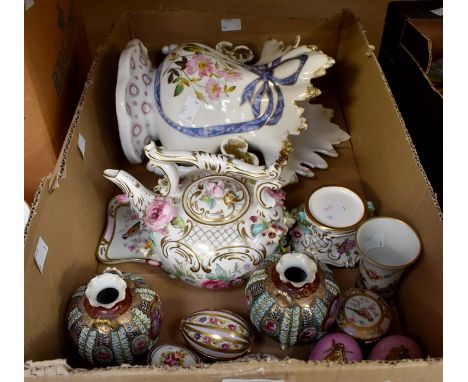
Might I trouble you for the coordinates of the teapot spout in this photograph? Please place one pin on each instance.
(140, 197)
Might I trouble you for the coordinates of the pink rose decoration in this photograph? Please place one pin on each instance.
(254, 219)
(216, 189)
(159, 213)
(270, 326)
(213, 284)
(122, 199)
(279, 196)
(200, 63)
(213, 89)
(229, 75)
(296, 234)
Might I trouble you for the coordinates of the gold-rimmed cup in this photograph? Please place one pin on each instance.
(388, 246)
(327, 223)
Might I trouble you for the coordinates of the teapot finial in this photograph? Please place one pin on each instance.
(140, 197)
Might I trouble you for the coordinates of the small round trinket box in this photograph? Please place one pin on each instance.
(394, 348)
(363, 315)
(326, 225)
(217, 334)
(172, 355)
(336, 347)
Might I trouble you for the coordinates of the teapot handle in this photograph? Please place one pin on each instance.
(266, 177)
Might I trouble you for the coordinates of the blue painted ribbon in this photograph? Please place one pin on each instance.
(267, 85)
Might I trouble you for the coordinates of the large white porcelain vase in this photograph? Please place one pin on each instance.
(197, 97)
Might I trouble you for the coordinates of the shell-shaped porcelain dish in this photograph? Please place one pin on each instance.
(217, 334)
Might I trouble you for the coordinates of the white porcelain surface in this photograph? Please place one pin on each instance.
(198, 96)
(336, 207)
(215, 227)
(388, 246)
(326, 226)
(319, 137)
(106, 280)
(125, 238)
(296, 260)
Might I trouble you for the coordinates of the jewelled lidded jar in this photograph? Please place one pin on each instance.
(363, 315)
(292, 298)
(113, 319)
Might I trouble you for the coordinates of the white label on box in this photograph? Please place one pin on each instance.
(190, 110)
(229, 25)
(81, 144)
(438, 11)
(252, 380)
(376, 240)
(41, 253)
(28, 4)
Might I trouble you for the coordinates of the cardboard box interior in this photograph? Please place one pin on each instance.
(380, 162)
(56, 60)
(99, 16)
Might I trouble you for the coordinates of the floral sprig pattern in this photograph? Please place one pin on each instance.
(172, 358)
(272, 233)
(216, 191)
(346, 246)
(302, 227)
(208, 77)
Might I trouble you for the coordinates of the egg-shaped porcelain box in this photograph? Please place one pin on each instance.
(292, 298)
(217, 334)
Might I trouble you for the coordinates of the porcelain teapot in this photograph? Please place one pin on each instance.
(198, 97)
(216, 226)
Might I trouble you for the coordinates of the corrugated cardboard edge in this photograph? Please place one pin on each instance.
(52, 180)
(371, 54)
(59, 367)
(429, 44)
(35, 204)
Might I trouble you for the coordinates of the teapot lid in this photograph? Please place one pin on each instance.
(216, 200)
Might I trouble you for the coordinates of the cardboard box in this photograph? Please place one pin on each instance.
(56, 61)
(99, 16)
(70, 210)
(411, 42)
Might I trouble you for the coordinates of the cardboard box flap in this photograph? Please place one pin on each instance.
(423, 40)
(393, 177)
(289, 370)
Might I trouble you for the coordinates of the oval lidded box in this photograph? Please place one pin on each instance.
(217, 334)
